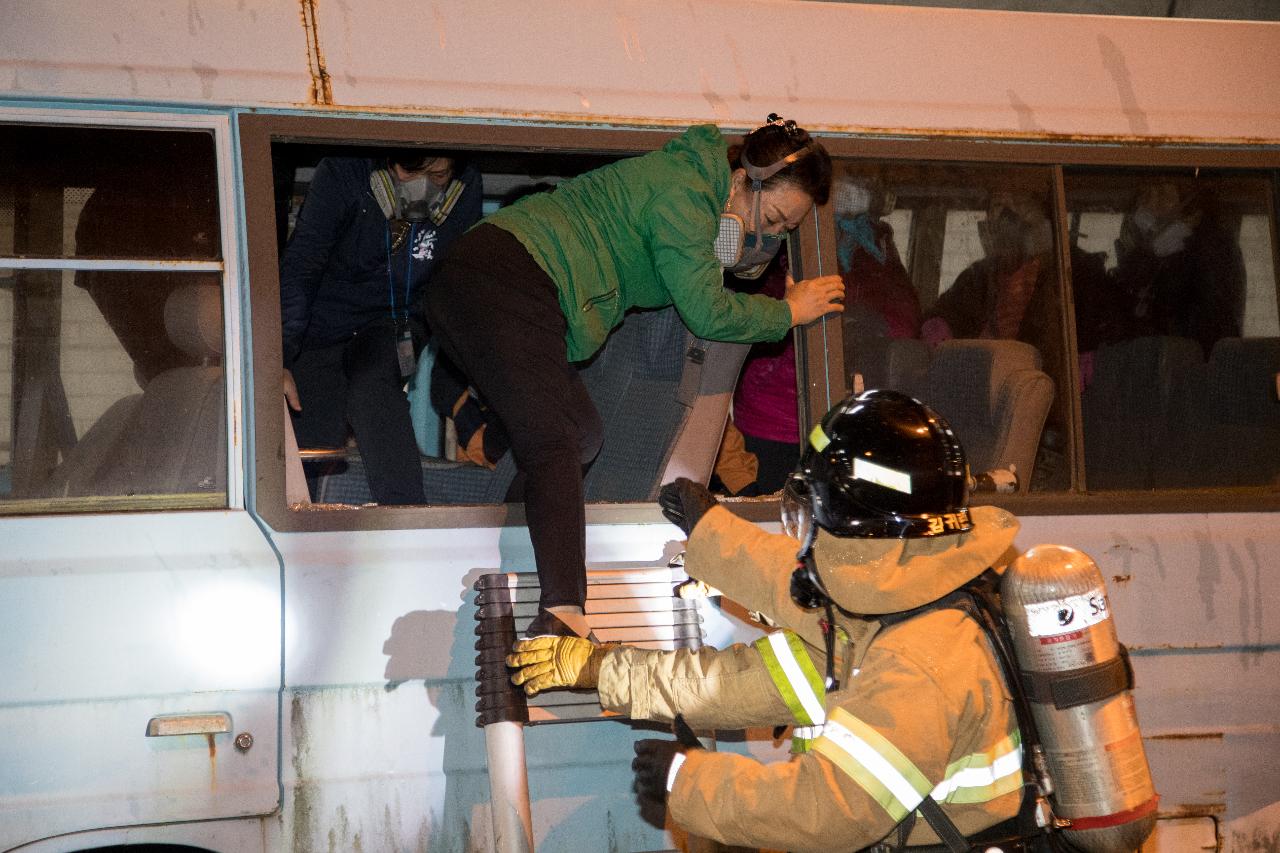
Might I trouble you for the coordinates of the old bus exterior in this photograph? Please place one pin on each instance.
(191, 658)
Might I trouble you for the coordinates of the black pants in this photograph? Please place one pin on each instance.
(358, 382)
(497, 315)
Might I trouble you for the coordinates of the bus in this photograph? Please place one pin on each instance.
(212, 639)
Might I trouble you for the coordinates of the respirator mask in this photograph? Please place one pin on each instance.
(415, 198)
(747, 254)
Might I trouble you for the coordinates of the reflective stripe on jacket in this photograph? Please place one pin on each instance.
(926, 713)
(798, 681)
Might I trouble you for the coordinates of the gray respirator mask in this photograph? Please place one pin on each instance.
(743, 253)
(414, 198)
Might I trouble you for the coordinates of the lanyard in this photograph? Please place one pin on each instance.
(408, 272)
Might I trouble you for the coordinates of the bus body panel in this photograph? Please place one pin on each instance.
(381, 740)
(122, 619)
(895, 69)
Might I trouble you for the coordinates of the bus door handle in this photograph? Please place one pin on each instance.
(209, 723)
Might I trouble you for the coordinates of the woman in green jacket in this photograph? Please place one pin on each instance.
(539, 285)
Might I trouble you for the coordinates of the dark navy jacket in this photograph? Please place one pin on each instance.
(336, 277)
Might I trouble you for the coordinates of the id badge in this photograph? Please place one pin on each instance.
(404, 351)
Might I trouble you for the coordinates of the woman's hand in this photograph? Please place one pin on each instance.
(814, 297)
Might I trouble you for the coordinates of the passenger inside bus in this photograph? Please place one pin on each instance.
(367, 238)
(995, 389)
(880, 298)
(1180, 266)
(1192, 370)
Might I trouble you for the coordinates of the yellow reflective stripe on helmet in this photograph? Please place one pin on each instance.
(818, 439)
(794, 675)
(983, 776)
(878, 766)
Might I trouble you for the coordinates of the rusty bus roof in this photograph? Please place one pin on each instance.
(837, 68)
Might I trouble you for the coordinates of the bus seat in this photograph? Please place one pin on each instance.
(170, 439)
(898, 364)
(664, 398)
(1129, 409)
(74, 477)
(1238, 440)
(662, 395)
(995, 397)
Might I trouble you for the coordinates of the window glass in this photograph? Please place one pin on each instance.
(156, 192)
(111, 385)
(1180, 348)
(952, 296)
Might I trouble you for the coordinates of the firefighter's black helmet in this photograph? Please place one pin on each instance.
(885, 465)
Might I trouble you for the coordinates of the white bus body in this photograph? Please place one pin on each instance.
(338, 644)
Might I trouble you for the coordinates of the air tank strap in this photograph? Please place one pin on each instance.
(1079, 686)
(978, 599)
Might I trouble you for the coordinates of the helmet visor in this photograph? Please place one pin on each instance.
(797, 508)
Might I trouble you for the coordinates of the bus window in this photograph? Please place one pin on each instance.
(952, 296)
(111, 386)
(1178, 360)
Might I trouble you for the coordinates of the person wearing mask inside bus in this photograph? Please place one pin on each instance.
(368, 236)
(538, 286)
(1180, 266)
(878, 285)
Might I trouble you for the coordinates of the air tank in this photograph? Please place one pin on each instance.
(1079, 687)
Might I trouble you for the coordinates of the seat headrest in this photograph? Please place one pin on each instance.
(193, 319)
(979, 368)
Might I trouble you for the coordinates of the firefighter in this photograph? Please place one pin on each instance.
(894, 715)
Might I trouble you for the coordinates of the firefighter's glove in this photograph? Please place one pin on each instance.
(545, 663)
(685, 502)
(653, 764)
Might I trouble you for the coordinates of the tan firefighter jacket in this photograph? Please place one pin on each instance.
(921, 709)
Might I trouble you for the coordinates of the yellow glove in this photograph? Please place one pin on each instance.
(544, 663)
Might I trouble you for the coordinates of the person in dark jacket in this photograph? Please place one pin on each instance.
(1181, 267)
(540, 284)
(367, 238)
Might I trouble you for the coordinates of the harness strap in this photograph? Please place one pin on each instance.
(978, 600)
(943, 825)
(1078, 686)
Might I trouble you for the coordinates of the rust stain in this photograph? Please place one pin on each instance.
(321, 85)
(1121, 579)
(1209, 810)
(213, 761)
(1188, 736)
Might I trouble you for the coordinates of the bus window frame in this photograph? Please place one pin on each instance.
(219, 124)
(1055, 156)
(814, 247)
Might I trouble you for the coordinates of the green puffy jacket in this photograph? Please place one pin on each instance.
(639, 234)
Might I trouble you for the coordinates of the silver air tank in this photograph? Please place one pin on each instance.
(1055, 603)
